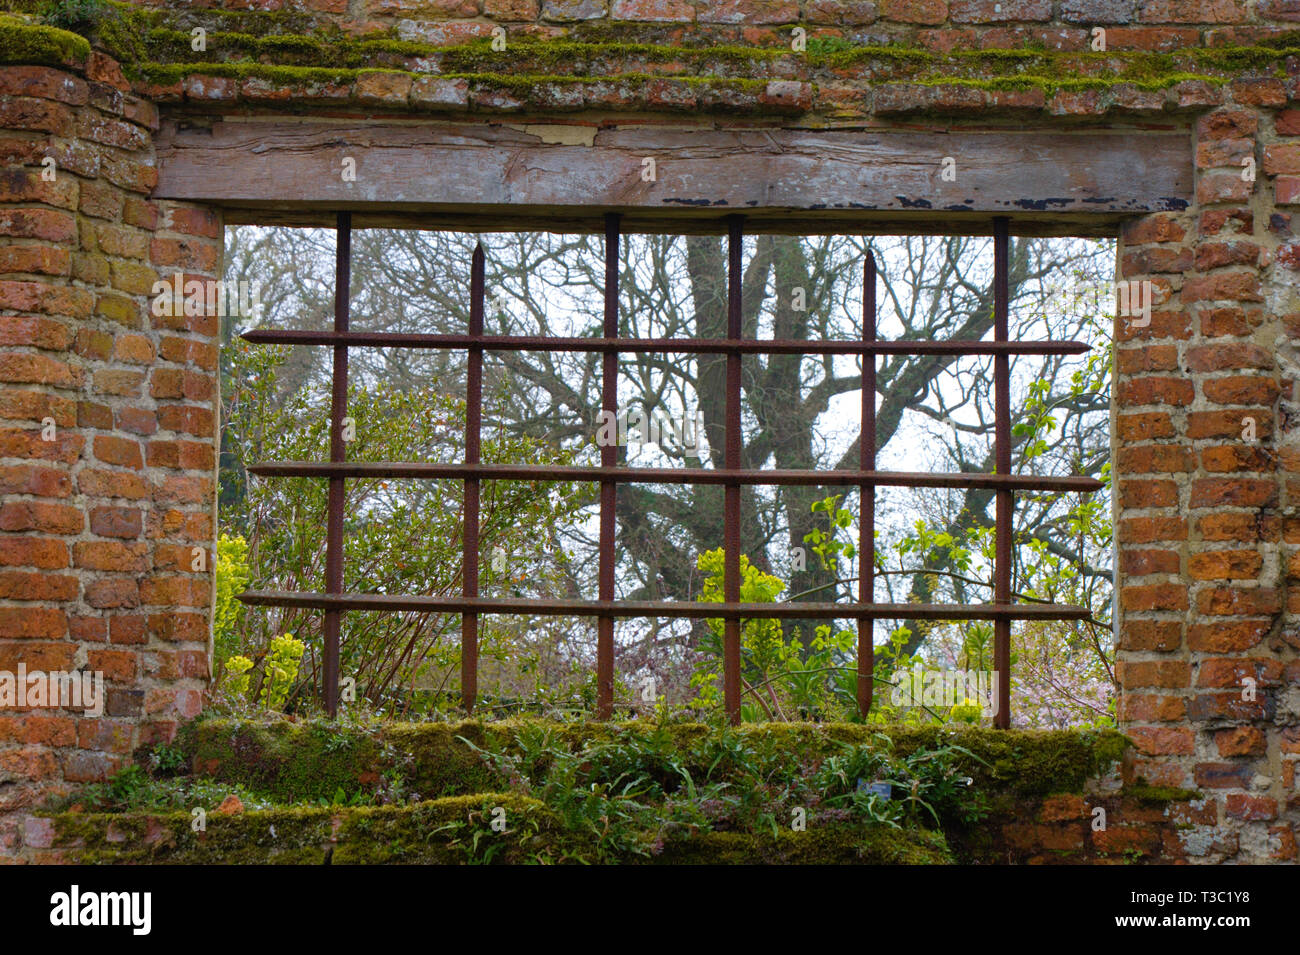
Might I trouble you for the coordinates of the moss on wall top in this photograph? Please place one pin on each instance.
(157, 50)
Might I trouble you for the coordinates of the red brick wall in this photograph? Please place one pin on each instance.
(1206, 514)
(98, 524)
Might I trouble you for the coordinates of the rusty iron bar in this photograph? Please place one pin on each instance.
(1002, 452)
(667, 609)
(473, 448)
(633, 475)
(608, 487)
(334, 602)
(338, 452)
(672, 346)
(732, 457)
(867, 493)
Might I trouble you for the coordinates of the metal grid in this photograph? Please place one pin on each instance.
(334, 601)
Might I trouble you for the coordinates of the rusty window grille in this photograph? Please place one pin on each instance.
(470, 605)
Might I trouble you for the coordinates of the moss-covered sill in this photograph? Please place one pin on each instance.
(297, 762)
(453, 830)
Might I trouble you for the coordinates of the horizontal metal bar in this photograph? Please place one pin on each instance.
(662, 608)
(630, 475)
(266, 336)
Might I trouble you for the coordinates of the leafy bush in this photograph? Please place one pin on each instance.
(232, 580)
(77, 16)
(280, 670)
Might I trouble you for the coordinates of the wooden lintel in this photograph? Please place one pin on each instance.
(506, 177)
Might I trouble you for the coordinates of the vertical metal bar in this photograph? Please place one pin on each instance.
(1002, 450)
(731, 501)
(867, 492)
(338, 452)
(608, 458)
(473, 426)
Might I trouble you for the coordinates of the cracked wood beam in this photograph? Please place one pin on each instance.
(558, 177)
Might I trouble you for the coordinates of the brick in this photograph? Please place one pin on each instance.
(1233, 424)
(828, 12)
(33, 552)
(1191, 11)
(1154, 597)
(119, 522)
(1163, 741)
(999, 11)
(1236, 527)
(1241, 390)
(1233, 492)
(121, 452)
(46, 299)
(1144, 426)
(1232, 601)
(111, 556)
(22, 585)
(1140, 563)
(1155, 459)
(1160, 227)
(1222, 286)
(1215, 255)
(1135, 361)
(1227, 637)
(1229, 458)
(1158, 635)
(113, 592)
(1155, 391)
(41, 517)
(1223, 186)
(1259, 92)
(96, 483)
(31, 479)
(34, 623)
(1253, 808)
(20, 185)
(1148, 530)
(37, 333)
(929, 12)
(1229, 123)
(1225, 565)
(43, 82)
(22, 404)
(1138, 494)
(1228, 221)
(1281, 159)
(568, 11)
(527, 10)
(1240, 741)
(1151, 708)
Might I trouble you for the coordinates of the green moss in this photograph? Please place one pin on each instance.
(829, 845)
(1051, 85)
(155, 44)
(1160, 795)
(35, 45)
(293, 762)
(454, 830)
(166, 74)
(276, 836)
